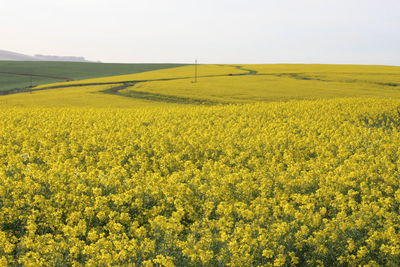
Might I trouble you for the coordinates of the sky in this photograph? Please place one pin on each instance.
(212, 31)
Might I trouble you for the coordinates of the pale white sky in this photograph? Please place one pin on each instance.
(214, 31)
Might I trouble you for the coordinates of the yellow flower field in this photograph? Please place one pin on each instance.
(253, 165)
(83, 96)
(284, 82)
(264, 184)
(178, 72)
(248, 89)
(217, 84)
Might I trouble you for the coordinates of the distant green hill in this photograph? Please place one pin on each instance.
(20, 74)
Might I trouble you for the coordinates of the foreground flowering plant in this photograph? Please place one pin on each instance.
(302, 182)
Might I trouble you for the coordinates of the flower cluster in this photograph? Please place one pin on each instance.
(296, 183)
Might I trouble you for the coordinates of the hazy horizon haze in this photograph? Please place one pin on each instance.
(155, 31)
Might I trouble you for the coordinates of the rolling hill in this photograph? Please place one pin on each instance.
(217, 84)
(8, 55)
(21, 74)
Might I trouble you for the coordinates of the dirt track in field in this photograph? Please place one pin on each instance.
(115, 90)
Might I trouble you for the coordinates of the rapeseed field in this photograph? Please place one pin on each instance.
(283, 82)
(303, 171)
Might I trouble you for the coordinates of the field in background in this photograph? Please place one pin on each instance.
(170, 73)
(69, 94)
(17, 74)
(282, 82)
(216, 84)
